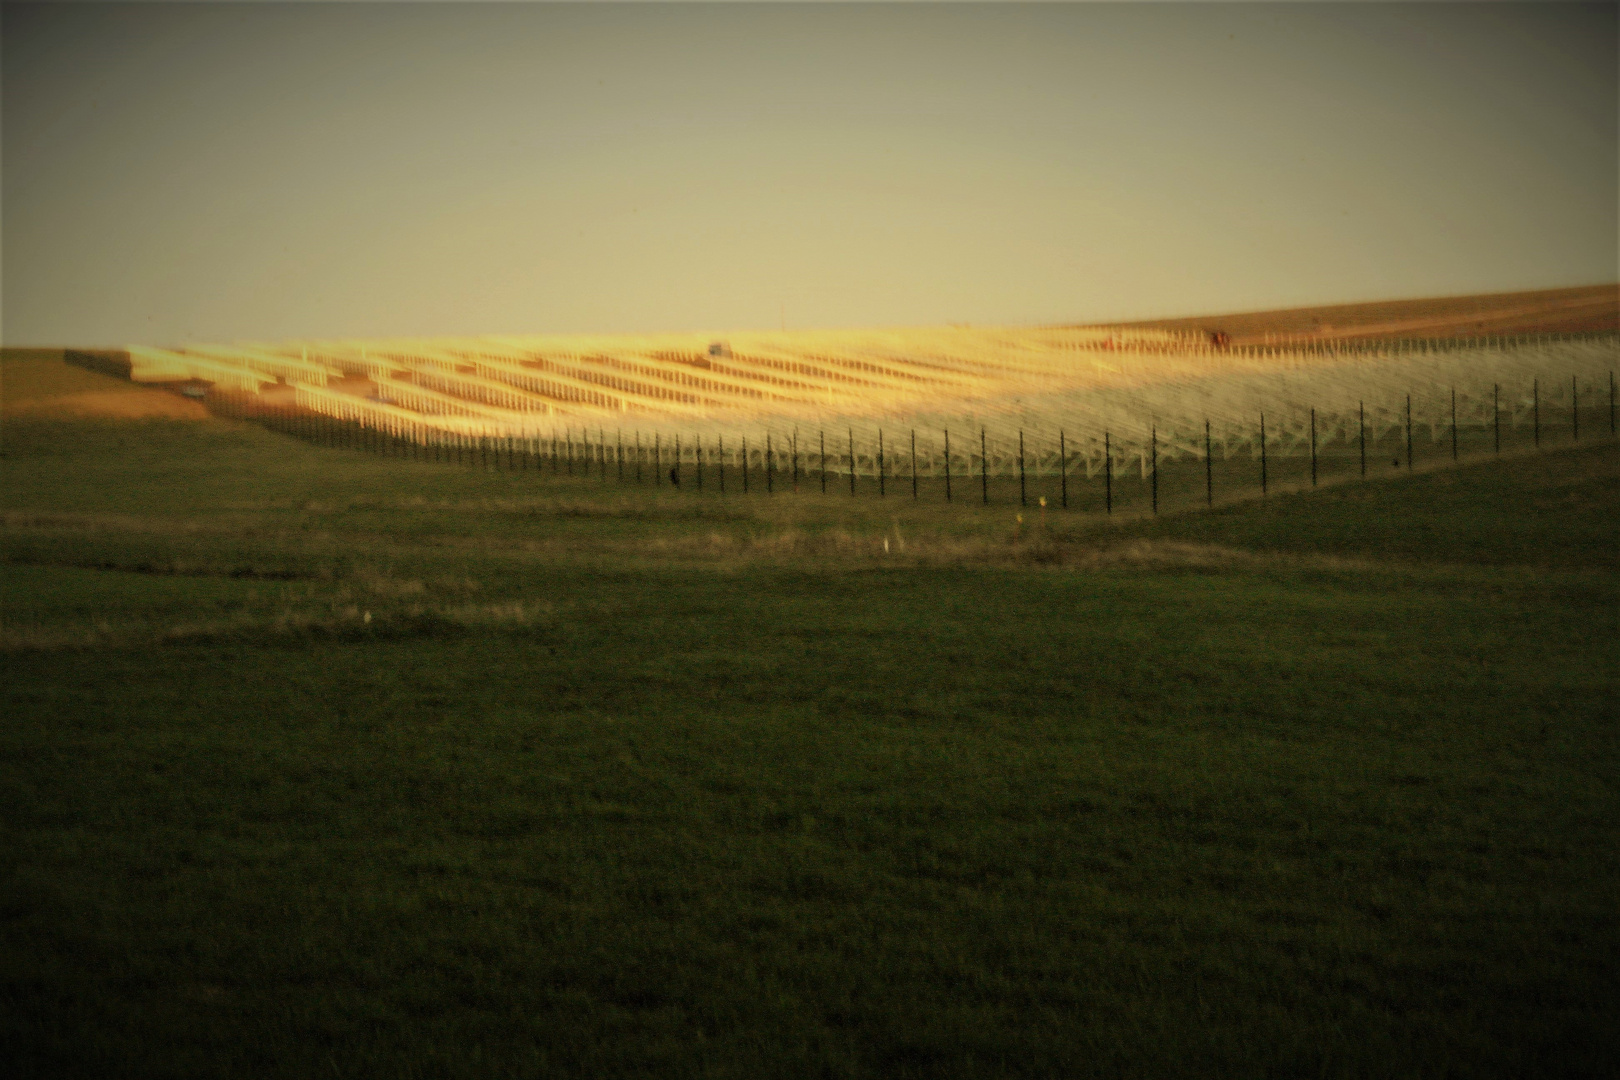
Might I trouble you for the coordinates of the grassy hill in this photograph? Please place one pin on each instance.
(318, 761)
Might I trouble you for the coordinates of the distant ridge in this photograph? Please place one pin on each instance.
(1583, 309)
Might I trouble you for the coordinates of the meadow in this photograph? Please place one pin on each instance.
(323, 762)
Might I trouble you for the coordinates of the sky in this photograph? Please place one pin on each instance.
(223, 171)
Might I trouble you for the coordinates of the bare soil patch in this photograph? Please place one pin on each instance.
(123, 404)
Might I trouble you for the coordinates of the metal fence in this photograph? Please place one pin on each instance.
(1408, 404)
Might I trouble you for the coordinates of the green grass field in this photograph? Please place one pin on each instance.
(315, 762)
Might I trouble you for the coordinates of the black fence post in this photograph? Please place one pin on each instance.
(913, 464)
(1262, 453)
(745, 463)
(1574, 409)
(675, 469)
(824, 462)
(881, 484)
(1023, 499)
(658, 460)
(1453, 423)
(1209, 470)
(601, 449)
(697, 448)
(795, 452)
(1108, 475)
(621, 454)
(1313, 448)
(1154, 437)
(1361, 431)
(852, 461)
(770, 479)
(984, 467)
(1063, 469)
(1408, 431)
(720, 460)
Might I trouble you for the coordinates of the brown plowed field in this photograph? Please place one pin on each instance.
(1588, 308)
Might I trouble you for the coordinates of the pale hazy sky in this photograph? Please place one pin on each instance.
(198, 172)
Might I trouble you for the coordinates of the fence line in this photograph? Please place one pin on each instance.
(1438, 404)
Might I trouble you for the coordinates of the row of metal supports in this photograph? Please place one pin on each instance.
(476, 450)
